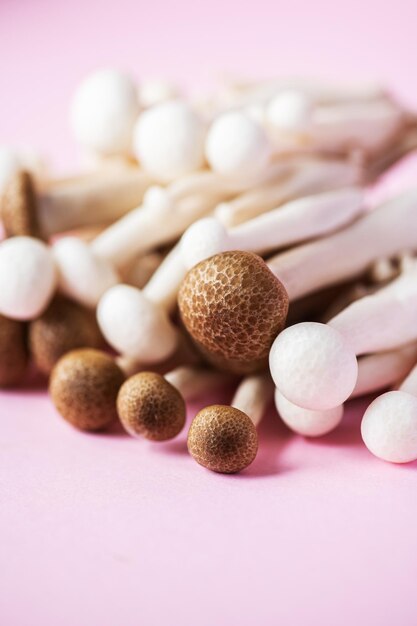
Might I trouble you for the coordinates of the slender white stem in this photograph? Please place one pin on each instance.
(253, 396)
(163, 286)
(377, 371)
(191, 381)
(96, 198)
(385, 232)
(312, 177)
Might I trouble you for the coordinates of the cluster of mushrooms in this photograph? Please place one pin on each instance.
(225, 240)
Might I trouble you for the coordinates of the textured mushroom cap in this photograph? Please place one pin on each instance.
(83, 276)
(304, 421)
(27, 277)
(13, 352)
(169, 140)
(135, 326)
(237, 146)
(84, 385)
(233, 307)
(389, 427)
(64, 326)
(313, 366)
(203, 239)
(19, 207)
(103, 112)
(223, 439)
(289, 110)
(149, 406)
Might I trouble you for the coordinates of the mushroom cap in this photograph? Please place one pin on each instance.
(83, 275)
(149, 406)
(19, 206)
(135, 326)
(27, 277)
(389, 427)
(233, 307)
(313, 366)
(289, 110)
(169, 140)
(103, 112)
(203, 239)
(84, 385)
(64, 326)
(223, 439)
(306, 422)
(13, 352)
(237, 146)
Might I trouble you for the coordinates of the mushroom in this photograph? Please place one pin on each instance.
(291, 223)
(63, 327)
(389, 425)
(168, 140)
(13, 160)
(65, 204)
(13, 352)
(224, 438)
(314, 365)
(27, 277)
(84, 385)
(153, 406)
(233, 307)
(103, 112)
(375, 372)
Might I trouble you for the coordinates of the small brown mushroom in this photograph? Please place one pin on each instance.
(149, 406)
(19, 207)
(233, 307)
(13, 352)
(84, 385)
(223, 439)
(64, 326)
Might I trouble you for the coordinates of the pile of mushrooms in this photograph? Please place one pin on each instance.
(226, 241)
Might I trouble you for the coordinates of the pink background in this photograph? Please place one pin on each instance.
(107, 530)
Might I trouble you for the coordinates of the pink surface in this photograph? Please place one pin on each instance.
(107, 530)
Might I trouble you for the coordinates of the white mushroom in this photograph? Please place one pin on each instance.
(169, 140)
(293, 222)
(375, 372)
(314, 365)
(103, 112)
(27, 278)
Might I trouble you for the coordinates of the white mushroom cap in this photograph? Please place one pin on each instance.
(304, 421)
(169, 140)
(203, 239)
(103, 112)
(155, 91)
(313, 366)
(289, 110)
(389, 427)
(134, 326)
(27, 277)
(83, 275)
(237, 146)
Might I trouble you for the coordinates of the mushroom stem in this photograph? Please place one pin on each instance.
(312, 176)
(193, 381)
(253, 396)
(382, 369)
(386, 231)
(156, 222)
(163, 286)
(383, 320)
